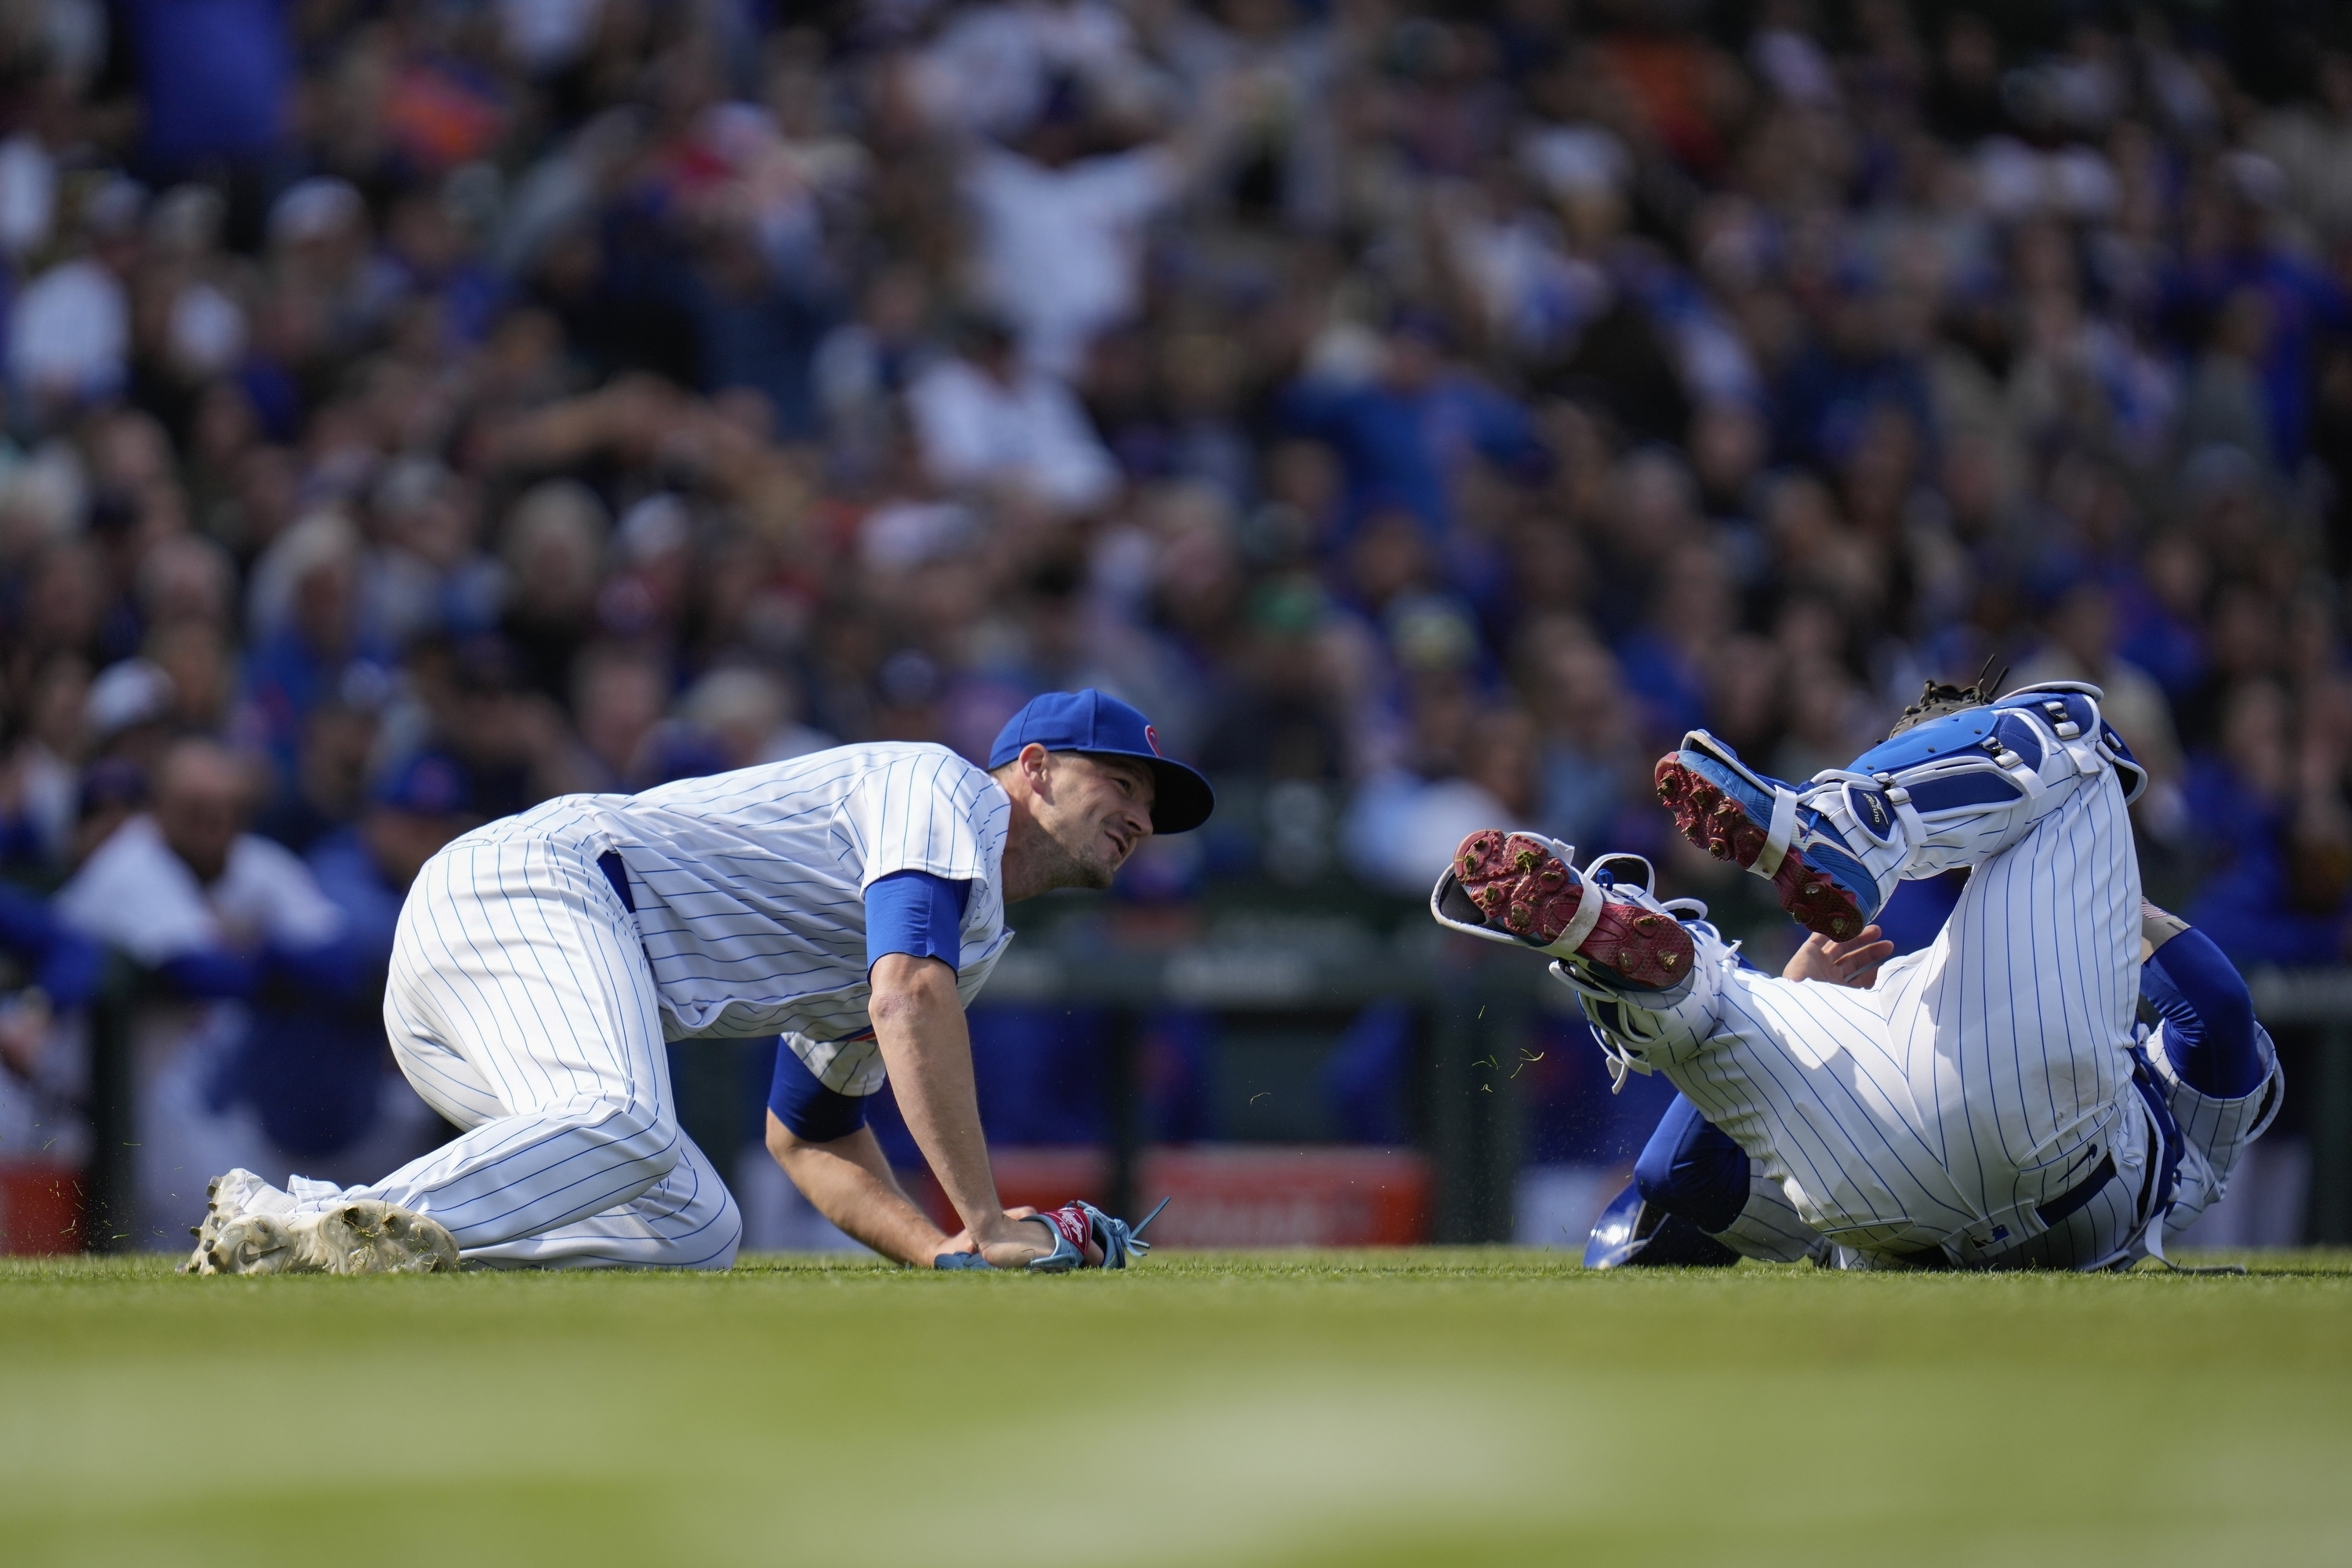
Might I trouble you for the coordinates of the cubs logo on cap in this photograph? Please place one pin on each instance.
(1098, 724)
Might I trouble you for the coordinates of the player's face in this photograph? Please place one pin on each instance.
(1101, 811)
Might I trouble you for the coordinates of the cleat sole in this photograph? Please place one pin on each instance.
(1519, 885)
(1715, 821)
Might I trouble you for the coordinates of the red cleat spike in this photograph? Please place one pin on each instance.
(1540, 898)
(1714, 822)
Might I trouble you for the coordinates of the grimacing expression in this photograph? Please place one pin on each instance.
(1100, 810)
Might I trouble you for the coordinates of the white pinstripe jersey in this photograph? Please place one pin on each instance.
(1980, 1076)
(750, 886)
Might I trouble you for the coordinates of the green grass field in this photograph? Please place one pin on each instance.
(1439, 1407)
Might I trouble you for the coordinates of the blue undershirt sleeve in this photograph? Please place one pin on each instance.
(814, 1113)
(2208, 1017)
(916, 913)
(907, 911)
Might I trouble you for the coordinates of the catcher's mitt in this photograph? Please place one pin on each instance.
(1941, 699)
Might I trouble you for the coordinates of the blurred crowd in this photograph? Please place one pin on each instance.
(417, 408)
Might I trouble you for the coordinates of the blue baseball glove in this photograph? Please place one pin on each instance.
(1074, 1224)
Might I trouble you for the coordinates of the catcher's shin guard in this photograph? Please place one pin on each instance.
(1945, 792)
(1763, 825)
(1525, 890)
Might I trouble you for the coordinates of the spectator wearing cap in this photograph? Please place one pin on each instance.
(365, 868)
(321, 245)
(128, 712)
(1464, 767)
(330, 783)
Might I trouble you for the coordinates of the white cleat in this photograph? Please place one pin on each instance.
(227, 1197)
(361, 1236)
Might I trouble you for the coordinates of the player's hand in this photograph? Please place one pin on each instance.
(1021, 1238)
(1851, 962)
(961, 1241)
(1016, 1243)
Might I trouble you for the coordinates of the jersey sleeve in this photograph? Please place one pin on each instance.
(919, 812)
(916, 913)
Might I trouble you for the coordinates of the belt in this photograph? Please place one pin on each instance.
(609, 862)
(2075, 1197)
(2157, 1183)
(2050, 1214)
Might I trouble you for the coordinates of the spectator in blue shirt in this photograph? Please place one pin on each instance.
(215, 80)
(1403, 436)
(2277, 838)
(2303, 304)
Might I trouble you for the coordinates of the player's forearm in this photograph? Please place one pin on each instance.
(850, 1182)
(918, 1025)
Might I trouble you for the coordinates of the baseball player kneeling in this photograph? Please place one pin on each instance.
(852, 901)
(1988, 1102)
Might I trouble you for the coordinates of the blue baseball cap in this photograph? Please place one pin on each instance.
(1099, 725)
(426, 784)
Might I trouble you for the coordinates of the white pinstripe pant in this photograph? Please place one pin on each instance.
(521, 1007)
(1980, 1079)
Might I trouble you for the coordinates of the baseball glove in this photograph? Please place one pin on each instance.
(1941, 699)
(1074, 1224)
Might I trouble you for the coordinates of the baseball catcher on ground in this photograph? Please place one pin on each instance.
(1988, 1102)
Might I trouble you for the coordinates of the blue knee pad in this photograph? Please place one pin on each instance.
(2208, 1017)
(1692, 1168)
